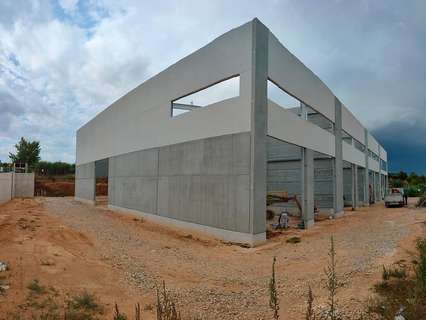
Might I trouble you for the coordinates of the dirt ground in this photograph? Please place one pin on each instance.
(72, 247)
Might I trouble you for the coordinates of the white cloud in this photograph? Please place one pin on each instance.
(68, 5)
(62, 69)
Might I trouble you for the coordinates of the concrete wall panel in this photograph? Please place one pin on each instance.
(352, 125)
(142, 118)
(204, 181)
(24, 185)
(289, 127)
(5, 187)
(353, 155)
(85, 181)
(293, 76)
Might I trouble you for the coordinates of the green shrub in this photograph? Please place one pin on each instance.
(421, 266)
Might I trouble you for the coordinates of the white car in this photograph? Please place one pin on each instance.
(395, 198)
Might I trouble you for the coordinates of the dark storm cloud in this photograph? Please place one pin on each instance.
(405, 142)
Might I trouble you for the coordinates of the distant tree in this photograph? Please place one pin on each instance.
(26, 152)
(54, 168)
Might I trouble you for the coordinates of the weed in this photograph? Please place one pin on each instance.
(85, 301)
(138, 312)
(393, 272)
(36, 287)
(118, 315)
(273, 293)
(421, 266)
(293, 240)
(310, 314)
(166, 306)
(332, 283)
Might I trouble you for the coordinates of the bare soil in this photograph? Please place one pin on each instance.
(72, 246)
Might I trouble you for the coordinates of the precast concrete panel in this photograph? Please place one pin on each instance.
(289, 127)
(142, 118)
(291, 75)
(23, 185)
(373, 165)
(6, 187)
(205, 181)
(353, 155)
(352, 125)
(373, 145)
(85, 182)
(383, 154)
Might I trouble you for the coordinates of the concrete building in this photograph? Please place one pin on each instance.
(207, 162)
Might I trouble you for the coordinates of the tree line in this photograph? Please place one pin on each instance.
(413, 183)
(28, 152)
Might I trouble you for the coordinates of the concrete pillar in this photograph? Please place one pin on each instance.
(374, 186)
(307, 179)
(380, 177)
(308, 187)
(367, 171)
(338, 160)
(354, 186)
(259, 122)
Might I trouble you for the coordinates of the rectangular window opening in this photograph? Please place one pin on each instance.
(220, 91)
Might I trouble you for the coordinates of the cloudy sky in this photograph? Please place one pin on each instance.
(62, 61)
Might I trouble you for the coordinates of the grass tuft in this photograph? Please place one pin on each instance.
(294, 240)
(36, 287)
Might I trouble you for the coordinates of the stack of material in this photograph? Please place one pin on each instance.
(276, 197)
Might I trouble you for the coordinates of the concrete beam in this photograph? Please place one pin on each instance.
(259, 123)
(380, 178)
(338, 160)
(366, 172)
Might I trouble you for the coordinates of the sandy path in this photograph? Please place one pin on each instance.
(227, 281)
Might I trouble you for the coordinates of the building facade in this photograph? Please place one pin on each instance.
(207, 162)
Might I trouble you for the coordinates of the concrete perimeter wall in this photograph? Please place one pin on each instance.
(23, 185)
(204, 182)
(16, 185)
(5, 187)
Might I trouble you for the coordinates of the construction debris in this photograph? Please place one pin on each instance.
(3, 266)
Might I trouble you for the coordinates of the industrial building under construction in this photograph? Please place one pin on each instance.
(202, 144)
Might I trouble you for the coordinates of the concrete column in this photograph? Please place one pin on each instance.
(380, 177)
(338, 160)
(307, 179)
(259, 122)
(374, 186)
(354, 186)
(308, 187)
(367, 170)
